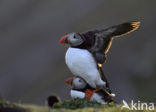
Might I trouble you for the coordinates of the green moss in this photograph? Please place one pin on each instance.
(80, 103)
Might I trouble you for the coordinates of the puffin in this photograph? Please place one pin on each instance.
(80, 89)
(88, 50)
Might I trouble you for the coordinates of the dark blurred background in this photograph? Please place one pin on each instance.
(32, 64)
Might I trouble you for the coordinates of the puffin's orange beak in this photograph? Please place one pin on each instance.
(63, 39)
(68, 81)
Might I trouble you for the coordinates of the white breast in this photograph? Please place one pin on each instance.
(81, 63)
(78, 59)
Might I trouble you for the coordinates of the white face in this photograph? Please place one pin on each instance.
(78, 83)
(75, 39)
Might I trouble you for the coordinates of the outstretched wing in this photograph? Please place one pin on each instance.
(100, 40)
(118, 30)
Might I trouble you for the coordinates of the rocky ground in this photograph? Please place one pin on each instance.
(66, 106)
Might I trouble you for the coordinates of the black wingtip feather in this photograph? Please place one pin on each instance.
(126, 28)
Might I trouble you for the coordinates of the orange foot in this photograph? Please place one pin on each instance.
(89, 93)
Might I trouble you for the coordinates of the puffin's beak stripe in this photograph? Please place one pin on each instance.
(62, 40)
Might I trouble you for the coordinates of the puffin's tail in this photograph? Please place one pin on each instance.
(121, 29)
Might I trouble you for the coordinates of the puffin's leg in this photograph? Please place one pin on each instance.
(89, 93)
(104, 79)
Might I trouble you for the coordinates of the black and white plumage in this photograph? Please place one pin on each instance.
(79, 87)
(90, 48)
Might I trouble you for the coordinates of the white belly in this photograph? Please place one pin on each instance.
(81, 63)
(77, 94)
(80, 94)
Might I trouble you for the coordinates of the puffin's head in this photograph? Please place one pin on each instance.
(76, 83)
(73, 39)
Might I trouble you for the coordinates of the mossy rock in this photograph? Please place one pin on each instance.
(6, 106)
